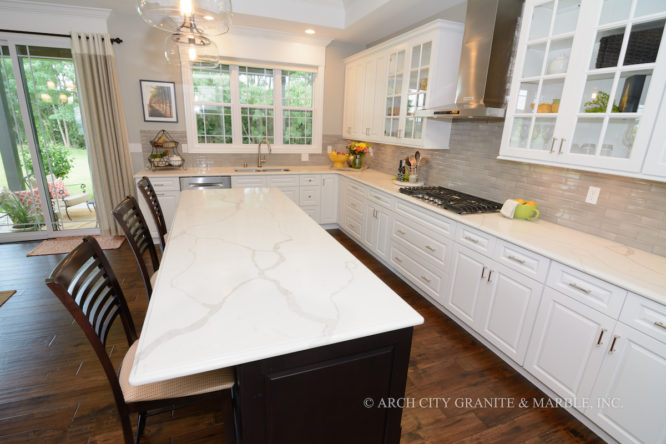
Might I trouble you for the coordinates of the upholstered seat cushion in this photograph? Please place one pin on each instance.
(153, 279)
(173, 388)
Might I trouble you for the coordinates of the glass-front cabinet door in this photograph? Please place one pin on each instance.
(624, 76)
(419, 74)
(587, 84)
(537, 100)
(393, 108)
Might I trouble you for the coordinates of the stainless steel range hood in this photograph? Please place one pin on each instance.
(490, 27)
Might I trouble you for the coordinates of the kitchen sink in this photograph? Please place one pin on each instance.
(261, 170)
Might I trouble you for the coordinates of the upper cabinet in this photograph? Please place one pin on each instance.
(386, 84)
(587, 85)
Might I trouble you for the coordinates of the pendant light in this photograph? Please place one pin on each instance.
(209, 17)
(191, 48)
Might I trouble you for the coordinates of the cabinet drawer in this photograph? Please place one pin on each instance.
(310, 195)
(313, 211)
(292, 193)
(522, 260)
(165, 183)
(248, 181)
(427, 222)
(415, 272)
(311, 180)
(381, 199)
(645, 315)
(282, 181)
(355, 204)
(353, 188)
(598, 294)
(431, 247)
(352, 225)
(475, 239)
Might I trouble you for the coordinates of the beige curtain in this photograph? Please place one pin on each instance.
(104, 120)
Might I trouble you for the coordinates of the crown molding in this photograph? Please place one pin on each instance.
(29, 7)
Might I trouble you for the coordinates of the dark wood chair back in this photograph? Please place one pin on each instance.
(86, 285)
(131, 220)
(149, 194)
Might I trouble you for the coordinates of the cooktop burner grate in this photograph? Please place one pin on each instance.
(452, 200)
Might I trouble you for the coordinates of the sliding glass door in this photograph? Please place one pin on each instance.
(45, 180)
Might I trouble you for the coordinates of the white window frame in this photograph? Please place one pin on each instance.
(193, 145)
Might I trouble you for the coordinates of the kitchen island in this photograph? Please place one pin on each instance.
(249, 280)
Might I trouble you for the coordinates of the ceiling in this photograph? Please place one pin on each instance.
(354, 21)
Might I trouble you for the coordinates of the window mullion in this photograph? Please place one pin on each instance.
(236, 124)
(278, 123)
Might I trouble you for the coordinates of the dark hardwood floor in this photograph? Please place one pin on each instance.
(52, 388)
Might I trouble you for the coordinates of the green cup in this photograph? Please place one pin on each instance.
(527, 212)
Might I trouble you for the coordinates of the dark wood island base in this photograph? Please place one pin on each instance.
(345, 392)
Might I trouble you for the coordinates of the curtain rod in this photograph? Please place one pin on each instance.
(117, 40)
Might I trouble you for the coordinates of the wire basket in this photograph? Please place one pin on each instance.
(164, 153)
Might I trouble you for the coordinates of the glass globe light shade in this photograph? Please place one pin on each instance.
(191, 48)
(211, 17)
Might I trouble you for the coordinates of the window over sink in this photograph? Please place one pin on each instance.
(230, 108)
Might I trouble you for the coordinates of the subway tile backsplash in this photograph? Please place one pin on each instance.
(630, 211)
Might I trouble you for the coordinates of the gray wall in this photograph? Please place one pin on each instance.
(629, 211)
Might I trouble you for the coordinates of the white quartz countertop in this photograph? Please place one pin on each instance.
(632, 269)
(247, 275)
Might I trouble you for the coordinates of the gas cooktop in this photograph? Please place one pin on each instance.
(452, 200)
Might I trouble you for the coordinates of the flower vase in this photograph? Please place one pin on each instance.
(356, 161)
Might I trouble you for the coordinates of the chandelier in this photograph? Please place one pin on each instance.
(191, 23)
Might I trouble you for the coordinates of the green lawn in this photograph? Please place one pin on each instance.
(79, 174)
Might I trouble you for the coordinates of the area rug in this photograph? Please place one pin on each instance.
(4, 295)
(63, 245)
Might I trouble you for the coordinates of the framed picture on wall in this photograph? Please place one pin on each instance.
(159, 101)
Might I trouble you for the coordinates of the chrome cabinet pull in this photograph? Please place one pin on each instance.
(603, 330)
(425, 279)
(428, 247)
(471, 239)
(397, 259)
(559, 151)
(401, 232)
(552, 144)
(515, 259)
(490, 273)
(660, 324)
(612, 347)
(483, 271)
(577, 287)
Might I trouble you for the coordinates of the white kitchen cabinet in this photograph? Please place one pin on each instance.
(253, 181)
(507, 310)
(468, 280)
(655, 161)
(494, 300)
(329, 199)
(587, 84)
(385, 85)
(629, 398)
(568, 345)
(377, 233)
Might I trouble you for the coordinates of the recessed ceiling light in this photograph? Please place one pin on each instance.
(208, 17)
(310, 31)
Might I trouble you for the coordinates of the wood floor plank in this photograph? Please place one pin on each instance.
(46, 395)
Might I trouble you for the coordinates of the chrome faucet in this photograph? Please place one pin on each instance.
(262, 160)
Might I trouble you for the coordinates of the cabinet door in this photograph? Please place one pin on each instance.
(632, 376)
(655, 162)
(168, 201)
(417, 87)
(370, 227)
(384, 221)
(621, 86)
(329, 199)
(507, 310)
(393, 106)
(368, 92)
(347, 117)
(567, 345)
(468, 281)
(537, 103)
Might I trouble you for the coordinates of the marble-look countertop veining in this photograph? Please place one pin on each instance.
(247, 275)
(635, 270)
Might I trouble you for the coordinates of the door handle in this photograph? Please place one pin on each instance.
(559, 151)
(601, 335)
(579, 288)
(515, 259)
(612, 347)
(428, 247)
(490, 273)
(660, 324)
(483, 271)
(425, 279)
(552, 144)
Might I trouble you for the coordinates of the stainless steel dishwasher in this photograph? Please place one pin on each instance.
(204, 182)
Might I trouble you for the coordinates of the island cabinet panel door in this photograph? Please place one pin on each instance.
(331, 394)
